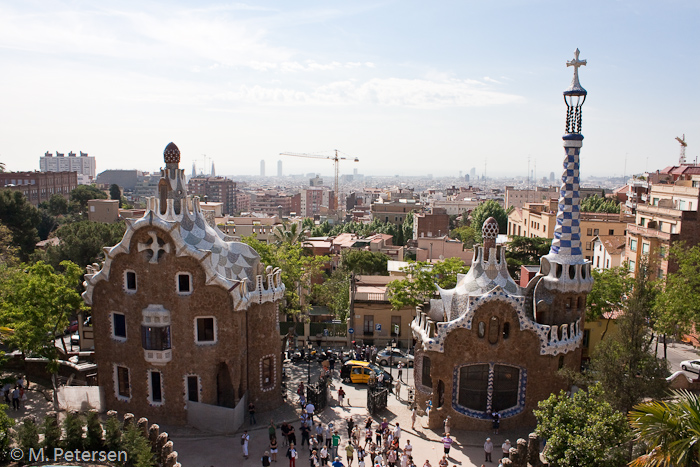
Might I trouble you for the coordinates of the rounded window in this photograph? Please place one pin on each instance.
(572, 271)
(481, 329)
(506, 330)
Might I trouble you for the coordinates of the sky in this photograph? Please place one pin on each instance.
(407, 87)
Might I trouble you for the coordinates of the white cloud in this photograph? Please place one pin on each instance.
(397, 92)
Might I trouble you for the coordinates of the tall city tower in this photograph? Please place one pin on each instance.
(567, 275)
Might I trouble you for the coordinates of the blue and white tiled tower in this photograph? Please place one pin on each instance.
(564, 266)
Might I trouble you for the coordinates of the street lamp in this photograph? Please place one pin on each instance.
(308, 360)
(391, 358)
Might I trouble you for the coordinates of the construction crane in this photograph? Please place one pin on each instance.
(681, 140)
(335, 158)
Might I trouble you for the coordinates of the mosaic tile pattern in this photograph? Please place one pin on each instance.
(567, 233)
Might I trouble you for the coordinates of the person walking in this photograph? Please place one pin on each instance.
(341, 396)
(15, 398)
(323, 455)
(496, 422)
(304, 430)
(245, 439)
(265, 459)
(408, 449)
(349, 453)
(443, 461)
(334, 445)
(446, 425)
(292, 455)
(273, 448)
(272, 430)
(251, 413)
(285, 433)
(292, 436)
(310, 412)
(505, 447)
(337, 463)
(327, 436)
(488, 449)
(397, 433)
(447, 444)
(414, 415)
(398, 389)
(351, 425)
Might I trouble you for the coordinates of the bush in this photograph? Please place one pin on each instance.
(28, 435)
(138, 449)
(73, 427)
(113, 432)
(6, 423)
(52, 433)
(93, 437)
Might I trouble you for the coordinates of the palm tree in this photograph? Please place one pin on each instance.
(287, 233)
(669, 429)
(2, 167)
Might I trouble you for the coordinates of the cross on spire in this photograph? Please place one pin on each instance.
(576, 63)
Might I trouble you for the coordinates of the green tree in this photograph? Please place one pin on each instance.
(525, 251)
(52, 433)
(678, 305)
(624, 363)
(485, 210)
(73, 428)
(289, 234)
(84, 193)
(36, 303)
(18, 215)
(137, 449)
(82, 242)
(595, 203)
(407, 229)
(466, 234)
(299, 270)
(28, 434)
(668, 430)
(115, 193)
(9, 253)
(334, 293)
(6, 424)
(57, 205)
(422, 280)
(364, 262)
(610, 289)
(582, 430)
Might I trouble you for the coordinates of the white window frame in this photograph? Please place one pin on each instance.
(177, 283)
(115, 374)
(186, 392)
(151, 402)
(111, 325)
(196, 334)
(126, 283)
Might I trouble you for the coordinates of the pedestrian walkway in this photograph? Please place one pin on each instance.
(196, 448)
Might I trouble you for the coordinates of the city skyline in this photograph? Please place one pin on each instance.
(407, 88)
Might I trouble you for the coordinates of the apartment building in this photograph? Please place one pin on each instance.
(539, 220)
(668, 214)
(215, 189)
(38, 187)
(83, 165)
(394, 211)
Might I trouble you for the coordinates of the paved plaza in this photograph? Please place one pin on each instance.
(198, 449)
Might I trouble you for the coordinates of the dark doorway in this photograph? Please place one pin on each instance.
(225, 394)
(441, 393)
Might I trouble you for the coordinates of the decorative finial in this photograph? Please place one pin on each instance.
(489, 232)
(171, 155)
(574, 97)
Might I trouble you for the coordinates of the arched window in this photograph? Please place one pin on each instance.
(505, 387)
(482, 329)
(494, 329)
(506, 330)
(473, 387)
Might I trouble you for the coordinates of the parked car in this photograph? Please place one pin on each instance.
(693, 366)
(356, 371)
(72, 327)
(384, 357)
(75, 339)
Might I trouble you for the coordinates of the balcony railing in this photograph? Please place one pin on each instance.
(647, 232)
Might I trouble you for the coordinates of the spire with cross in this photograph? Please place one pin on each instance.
(575, 86)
